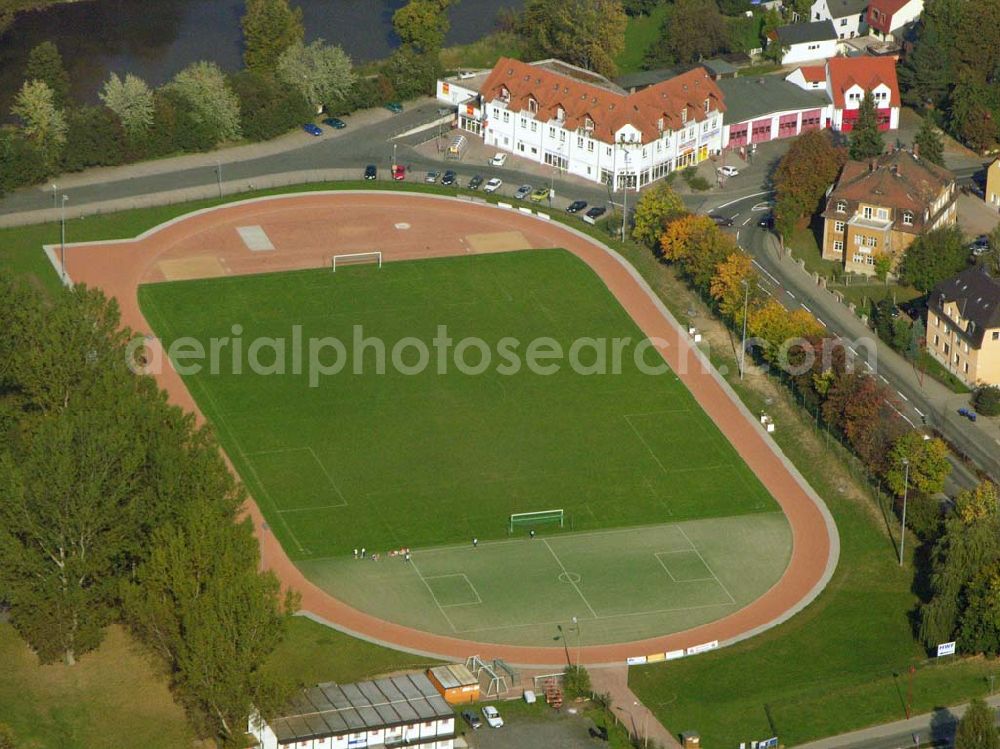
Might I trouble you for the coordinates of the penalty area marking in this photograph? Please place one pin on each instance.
(468, 582)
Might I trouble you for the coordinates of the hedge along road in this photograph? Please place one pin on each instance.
(205, 243)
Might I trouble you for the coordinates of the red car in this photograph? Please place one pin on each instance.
(398, 172)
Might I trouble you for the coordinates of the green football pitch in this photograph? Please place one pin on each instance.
(664, 526)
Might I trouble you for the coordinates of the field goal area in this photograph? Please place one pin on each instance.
(536, 518)
(356, 258)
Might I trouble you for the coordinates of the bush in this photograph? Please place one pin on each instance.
(576, 682)
(694, 180)
(987, 400)
(95, 138)
(268, 109)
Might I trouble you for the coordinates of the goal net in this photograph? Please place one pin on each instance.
(355, 258)
(536, 518)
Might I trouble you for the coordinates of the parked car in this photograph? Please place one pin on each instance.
(576, 206)
(476, 182)
(394, 106)
(431, 177)
(450, 178)
(371, 172)
(398, 172)
(472, 719)
(335, 122)
(523, 192)
(492, 716)
(493, 185)
(594, 213)
(720, 220)
(499, 159)
(443, 111)
(539, 195)
(728, 171)
(312, 129)
(981, 245)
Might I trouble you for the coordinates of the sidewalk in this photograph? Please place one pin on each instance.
(938, 725)
(635, 716)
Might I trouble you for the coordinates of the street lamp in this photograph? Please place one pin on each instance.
(576, 623)
(218, 175)
(62, 237)
(54, 201)
(393, 166)
(746, 302)
(902, 527)
(562, 636)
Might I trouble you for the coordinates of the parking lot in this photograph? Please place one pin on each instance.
(542, 729)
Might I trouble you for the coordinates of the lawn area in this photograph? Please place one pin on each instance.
(936, 369)
(482, 53)
(802, 243)
(640, 34)
(864, 295)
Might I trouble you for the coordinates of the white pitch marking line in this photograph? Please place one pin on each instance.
(431, 591)
(310, 509)
(468, 582)
(707, 567)
(674, 579)
(569, 579)
(646, 444)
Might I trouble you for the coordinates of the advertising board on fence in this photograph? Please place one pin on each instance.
(703, 648)
(946, 648)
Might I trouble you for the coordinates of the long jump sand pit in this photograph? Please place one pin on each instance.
(442, 227)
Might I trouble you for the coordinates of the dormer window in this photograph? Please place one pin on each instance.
(560, 114)
(659, 124)
(504, 94)
(588, 124)
(708, 105)
(684, 116)
(841, 206)
(908, 218)
(533, 105)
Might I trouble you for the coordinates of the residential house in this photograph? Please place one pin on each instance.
(847, 16)
(809, 77)
(768, 108)
(993, 184)
(886, 18)
(579, 122)
(402, 710)
(848, 79)
(877, 208)
(805, 41)
(963, 326)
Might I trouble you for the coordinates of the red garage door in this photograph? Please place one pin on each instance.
(761, 131)
(788, 125)
(738, 135)
(812, 120)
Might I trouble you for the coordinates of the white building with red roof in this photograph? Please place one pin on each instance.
(575, 120)
(885, 17)
(846, 80)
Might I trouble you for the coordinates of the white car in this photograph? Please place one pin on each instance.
(728, 171)
(499, 160)
(492, 716)
(493, 185)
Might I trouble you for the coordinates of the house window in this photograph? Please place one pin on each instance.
(590, 146)
(496, 112)
(708, 104)
(579, 141)
(908, 218)
(552, 132)
(506, 116)
(996, 335)
(966, 368)
(871, 242)
(867, 211)
(524, 122)
(883, 214)
(588, 124)
(838, 246)
(843, 21)
(839, 225)
(841, 206)
(684, 116)
(608, 151)
(562, 136)
(532, 106)
(560, 114)
(937, 339)
(534, 127)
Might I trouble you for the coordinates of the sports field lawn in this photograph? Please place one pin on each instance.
(384, 461)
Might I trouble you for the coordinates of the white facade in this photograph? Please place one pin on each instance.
(776, 125)
(809, 51)
(843, 119)
(847, 25)
(883, 27)
(798, 77)
(460, 93)
(414, 735)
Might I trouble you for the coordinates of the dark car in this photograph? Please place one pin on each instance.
(766, 221)
(371, 172)
(596, 212)
(472, 719)
(576, 206)
(476, 182)
(720, 220)
(449, 178)
(394, 106)
(335, 122)
(312, 129)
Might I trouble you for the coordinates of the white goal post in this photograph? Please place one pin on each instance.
(352, 258)
(534, 518)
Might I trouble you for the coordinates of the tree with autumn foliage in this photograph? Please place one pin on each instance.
(657, 207)
(682, 236)
(803, 175)
(735, 284)
(776, 329)
(928, 465)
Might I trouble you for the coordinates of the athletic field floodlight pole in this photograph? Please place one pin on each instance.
(562, 636)
(62, 236)
(55, 202)
(576, 623)
(393, 166)
(746, 302)
(218, 176)
(902, 525)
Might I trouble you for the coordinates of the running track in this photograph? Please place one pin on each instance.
(307, 228)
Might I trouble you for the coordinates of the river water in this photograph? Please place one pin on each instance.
(156, 38)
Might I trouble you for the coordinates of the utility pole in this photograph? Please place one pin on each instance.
(576, 623)
(902, 527)
(393, 165)
(218, 175)
(746, 303)
(562, 636)
(62, 237)
(55, 203)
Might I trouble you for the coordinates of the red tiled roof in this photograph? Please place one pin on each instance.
(609, 110)
(813, 73)
(866, 72)
(880, 13)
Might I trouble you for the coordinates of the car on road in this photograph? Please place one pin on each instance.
(523, 192)
(981, 245)
(576, 206)
(720, 220)
(335, 122)
(766, 221)
(728, 171)
(371, 172)
(431, 177)
(499, 159)
(594, 213)
(476, 182)
(493, 185)
(398, 172)
(312, 129)
(492, 716)
(472, 719)
(394, 106)
(539, 195)
(450, 179)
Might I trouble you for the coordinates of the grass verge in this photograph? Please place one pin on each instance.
(482, 53)
(641, 33)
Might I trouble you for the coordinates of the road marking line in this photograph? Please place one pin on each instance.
(745, 197)
(922, 414)
(901, 414)
(882, 377)
(749, 219)
(790, 293)
(764, 271)
(903, 396)
(822, 323)
(806, 309)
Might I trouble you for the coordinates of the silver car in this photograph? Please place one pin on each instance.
(523, 192)
(493, 185)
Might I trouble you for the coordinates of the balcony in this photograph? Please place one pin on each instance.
(878, 224)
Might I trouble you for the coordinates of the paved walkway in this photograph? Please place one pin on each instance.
(635, 716)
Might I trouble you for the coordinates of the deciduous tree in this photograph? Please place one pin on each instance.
(866, 139)
(692, 31)
(212, 106)
(658, 206)
(934, 256)
(929, 143)
(977, 729)
(321, 72)
(131, 100)
(682, 236)
(268, 108)
(46, 64)
(734, 286)
(928, 465)
(588, 33)
(44, 122)
(422, 24)
(803, 176)
(269, 28)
